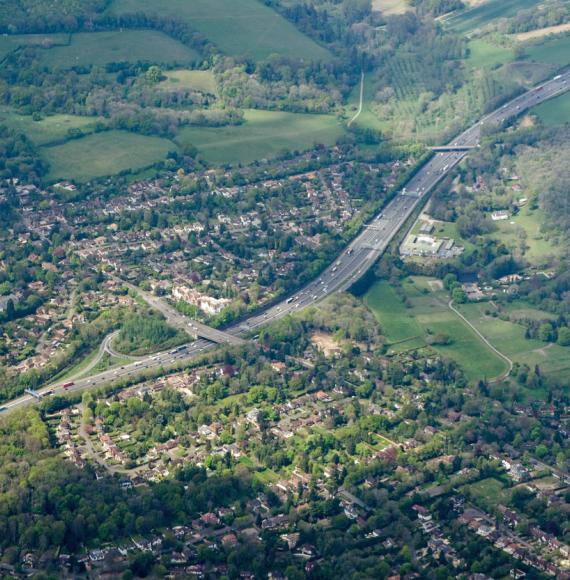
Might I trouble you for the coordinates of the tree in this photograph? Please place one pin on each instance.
(546, 332)
(564, 336)
(459, 296)
(154, 74)
(10, 310)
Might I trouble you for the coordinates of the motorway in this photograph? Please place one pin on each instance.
(351, 265)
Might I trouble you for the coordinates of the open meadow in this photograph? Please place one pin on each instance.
(102, 48)
(102, 154)
(9, 43)
(467, 21)
(264, 134)
(196, 80)
(236, 27)
(428, 312)
(555, 50)
(555, 111)
(49, 129)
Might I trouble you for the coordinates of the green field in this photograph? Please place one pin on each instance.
(554, 112)
(236, 27)
(429, 311)
(554, 51)
(391, 7)
(488, 493)
(104, 154)
(48, 129)
(483, 54)
(195, 80)
(508, 337)
(9, 43)
(265, 134)
(469, 20)
(101, 48)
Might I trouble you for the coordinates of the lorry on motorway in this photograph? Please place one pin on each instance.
(68, 385)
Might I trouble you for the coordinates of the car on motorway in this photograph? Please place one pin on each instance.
(3, 409)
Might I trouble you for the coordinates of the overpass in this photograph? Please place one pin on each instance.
(182, 322)
(445, 148)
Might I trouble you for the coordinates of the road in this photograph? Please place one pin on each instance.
(349, 267)
(361, 100)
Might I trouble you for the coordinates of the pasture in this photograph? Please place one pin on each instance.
(236, 27)
(508, 338)
(190, 80)
(102, 154)
(483, 54)
(9, 43)
(102, 48)
(467, 21)
(390, 7)
(265, 134)
(554, 51)
(48, 129)
(428, 312)
(555, 111)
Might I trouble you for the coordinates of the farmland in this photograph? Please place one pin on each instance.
(236, 27)
(196, 80)
(390, 7)
(104, 154)
(554, 112)
(101, 48)
(553, 51)
(265, 134)
(428, 313)
(508, 337)
(480, 15)
(48, 129)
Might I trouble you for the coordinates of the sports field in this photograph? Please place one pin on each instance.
(236, 27)
(48, 129)
(553, 51)
(471, 19)
(101, 48)
(104, 154)
(429, 312)
(508, 337)
(194, 80)
(555, 111)
(264, 134)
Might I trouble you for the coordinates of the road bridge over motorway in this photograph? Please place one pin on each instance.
(443, 148)
(181, 321)
(357, 258)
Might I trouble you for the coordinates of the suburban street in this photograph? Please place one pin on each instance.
(348, 268)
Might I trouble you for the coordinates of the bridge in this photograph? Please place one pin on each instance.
(447, 148)
(182, 322)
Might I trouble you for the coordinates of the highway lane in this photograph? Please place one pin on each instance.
(354, 261)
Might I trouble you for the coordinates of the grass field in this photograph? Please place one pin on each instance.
(489, 493)
(483, 54)
(101, 48)
(429, 311)
(195, 80)
(469, 20)
(236, 27)
(390, 7)
(265, 134)
(540, 249)
(48, 129)
(9, 43)
(509, 338)
(553, 51)
(541, 32)
(555, 111)
(104, 154)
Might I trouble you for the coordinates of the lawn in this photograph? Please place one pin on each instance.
(195, 80)
(469, 20)
(553, 51)
(236, 27)
(540, 249)
(102, 48)
(265, 134)
(554, 112)
(488, 493)
(104, 154)
(49, 129)
(429, 312)
(483, 54)
(508, 337)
